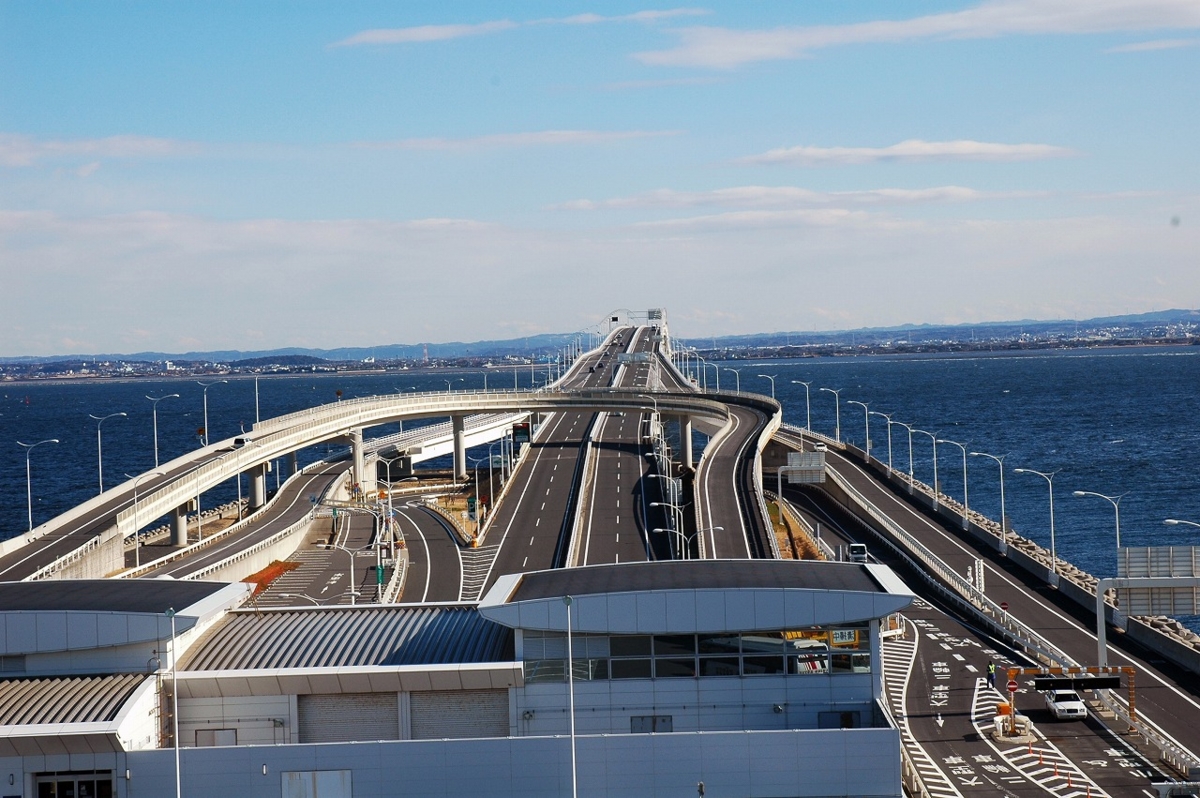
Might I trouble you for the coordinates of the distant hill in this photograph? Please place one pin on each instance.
(1135, 325)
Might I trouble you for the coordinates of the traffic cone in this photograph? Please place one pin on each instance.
(1056, 770)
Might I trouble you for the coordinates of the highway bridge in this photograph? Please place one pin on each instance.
(598, 484)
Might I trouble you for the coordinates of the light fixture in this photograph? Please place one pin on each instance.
(264, 768)
(777, 709)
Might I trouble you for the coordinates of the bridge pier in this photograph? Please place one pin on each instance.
(362, 477)
(293, 463)
(258, 485)
(179, 527)
(458, 424)
(685, 441)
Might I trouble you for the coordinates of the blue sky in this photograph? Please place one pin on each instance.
(179, 176)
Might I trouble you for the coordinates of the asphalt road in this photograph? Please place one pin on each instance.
(1169, 697)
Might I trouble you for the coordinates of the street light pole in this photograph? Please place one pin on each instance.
(1049, 477)
(966, 506)
(867, 425)
(206, 386)
(888, 418)
(910, 453)
(1115, 501)
(1000, 462)
(936, 489)
(807, 404)
(29, 447)
(137, 539)
(451, 382)
(571, 689)
(154, 403)
(738, 374)
(770, 377)
(837, 401)
(100, 445)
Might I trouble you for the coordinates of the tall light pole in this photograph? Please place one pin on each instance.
(737, 373)
(910, 452)
(175, 702)
(137, 539)
(966, 507)
(807, 404)
(571, 690)
(100, 444)
(867, 427)
(1177, 521)
(770, 377)
(837, 401)
(1115, 501)
(451, 382)
(353, 586)
(887, 418)
(154, 401)
(936, 489)
(717, 372)
(206, 386)
(1049, 477)
(1000, 462)
(29, 447)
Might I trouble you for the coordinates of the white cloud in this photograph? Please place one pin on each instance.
(539, 138)
(437, 33)
(724, 48)
(784, 196)
(911, 150)
(423, 33)
(1156, 44)
(758, 219)
(21, 150)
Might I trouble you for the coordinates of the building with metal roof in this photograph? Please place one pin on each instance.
(755, 677)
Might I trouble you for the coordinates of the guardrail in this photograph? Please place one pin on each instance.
(585, 496)
(65, 560)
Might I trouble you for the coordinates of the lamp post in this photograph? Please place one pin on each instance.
(29, 447)
(1000, 462)
(807, 403)
(1177, 521)
(1115, 501)
(837, 401)
(451, 382)
(867, 427)
(206, 386)
(351, 553)
(910, 453)
(936, 489)
(100, 444)
(738, 374)
(717, 372)
(137, 539)
(966, 507)
(571, 689)
(887, 417)
(678, 510)
(175, 702)
(301, 595)
(155, 401)
(1049, 477)
(770, 377)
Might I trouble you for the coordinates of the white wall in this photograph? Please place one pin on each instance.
(254, 717)
(859, 762)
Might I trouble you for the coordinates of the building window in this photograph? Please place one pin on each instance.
(650, 724)
(75, 784)
(818, 650)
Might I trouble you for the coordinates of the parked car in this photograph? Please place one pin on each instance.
(1065, 704)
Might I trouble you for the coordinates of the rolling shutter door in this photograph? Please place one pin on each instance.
(348, 717)
(456, 714)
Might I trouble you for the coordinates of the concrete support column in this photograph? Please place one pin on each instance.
(293, 463)
(362, 475)
(458, 424)
(685, 441)
(258, 485)
(179, 525)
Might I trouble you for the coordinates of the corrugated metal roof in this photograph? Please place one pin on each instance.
(350, 636)
(64, 699)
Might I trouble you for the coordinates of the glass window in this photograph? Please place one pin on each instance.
(629, 645)
(808, 662)
(851, 637)
(674, 645)
(545, 670)
(719, 666)
(762, 666)
(675, 668)
(588, 670)
(851, 663)
(764, 643)
(718, 644)
(630, 668)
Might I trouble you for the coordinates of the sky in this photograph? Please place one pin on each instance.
(192, 176)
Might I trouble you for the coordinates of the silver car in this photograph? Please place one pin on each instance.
(1065, 705)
